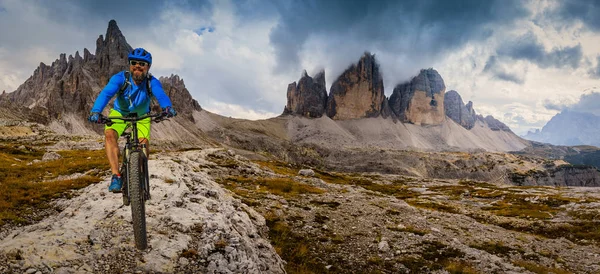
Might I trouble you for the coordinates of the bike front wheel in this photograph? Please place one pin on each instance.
(136, 198)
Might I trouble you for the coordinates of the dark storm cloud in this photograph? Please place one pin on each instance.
(527, 47)
(134, 14)
(493, 67)
(413, 27)
(586, 11)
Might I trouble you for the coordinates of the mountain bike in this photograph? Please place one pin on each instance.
(134, 171)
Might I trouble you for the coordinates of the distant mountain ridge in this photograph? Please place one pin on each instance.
(569, 128)
(359, 93)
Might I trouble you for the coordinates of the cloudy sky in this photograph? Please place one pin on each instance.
(520, 61)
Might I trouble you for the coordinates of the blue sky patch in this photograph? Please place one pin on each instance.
(201, 30)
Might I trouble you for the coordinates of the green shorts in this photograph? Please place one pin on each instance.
(143, 126)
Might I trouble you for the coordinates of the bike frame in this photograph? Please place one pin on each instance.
(133, 144)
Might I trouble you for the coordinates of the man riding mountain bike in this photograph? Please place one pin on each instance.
(134, 89)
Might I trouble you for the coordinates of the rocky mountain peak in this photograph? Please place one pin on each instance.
(307, 98)
(493, 123)
(180, 96)
(320, 77)
(87, 55)
(304, 74)
(358, 92)
(420, 100)
(470, 109)
(112, 51)
(569, 127)
(457, 111)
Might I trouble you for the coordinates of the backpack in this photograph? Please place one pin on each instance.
(126, 84)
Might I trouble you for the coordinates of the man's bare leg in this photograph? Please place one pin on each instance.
(112, 149)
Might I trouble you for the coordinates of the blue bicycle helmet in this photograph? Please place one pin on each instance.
(140, 54)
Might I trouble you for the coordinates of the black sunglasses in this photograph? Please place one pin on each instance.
(141, 63)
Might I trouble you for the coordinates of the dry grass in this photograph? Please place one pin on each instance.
(433, 205)
(25, 187)
(189, 253)
(280, 167)
(529, 206)
(434, 256)
(397, 188)
(460, 266)
(292, 247)
(497, 248)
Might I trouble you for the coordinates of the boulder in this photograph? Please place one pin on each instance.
(306, 172)
(49, 156)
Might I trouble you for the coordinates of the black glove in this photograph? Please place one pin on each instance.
(169, 112)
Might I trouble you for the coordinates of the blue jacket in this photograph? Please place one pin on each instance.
(134, 98)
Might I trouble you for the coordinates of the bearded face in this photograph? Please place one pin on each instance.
(139, 70)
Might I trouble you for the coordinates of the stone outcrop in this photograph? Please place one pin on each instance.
(493, 123)
(358, 92)
(566, 175)
(465, 115)
(420, 101)
(180, 96)
(70, 84)
(456, 110)
(308, 98)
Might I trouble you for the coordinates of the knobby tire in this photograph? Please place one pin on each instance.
(136, 195)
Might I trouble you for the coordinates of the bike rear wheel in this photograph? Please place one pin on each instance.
(136, 198)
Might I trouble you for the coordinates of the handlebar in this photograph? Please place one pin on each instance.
(158, 117)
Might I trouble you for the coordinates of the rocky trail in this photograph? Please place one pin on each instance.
(214, 211)
(194, 226)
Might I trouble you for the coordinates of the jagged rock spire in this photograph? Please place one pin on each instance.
(309, 97)
(181, 98)
(358, 92)
(457, 111)
(112, 51)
